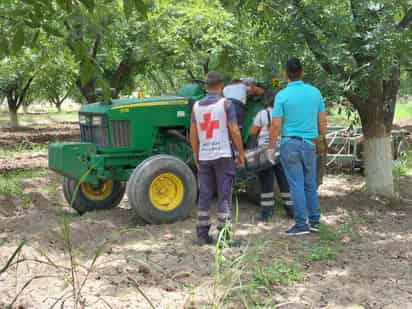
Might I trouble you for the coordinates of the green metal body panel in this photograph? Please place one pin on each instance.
(149, 119)
(71, 159)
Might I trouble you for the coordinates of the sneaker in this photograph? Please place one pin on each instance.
(314, 227)
(298, 230)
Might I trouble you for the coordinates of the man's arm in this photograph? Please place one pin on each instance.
(274, 131)
(194, 142)
(254, 130)
(254, 90)
(256, 126)
(237, 140)
(322, 123)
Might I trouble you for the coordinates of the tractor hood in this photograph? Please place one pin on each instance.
(122, 104)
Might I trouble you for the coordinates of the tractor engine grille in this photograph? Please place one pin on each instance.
(96, 132)
(121, 133)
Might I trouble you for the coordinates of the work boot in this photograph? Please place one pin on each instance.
(201, 241)
(226, 240)
(203, 237)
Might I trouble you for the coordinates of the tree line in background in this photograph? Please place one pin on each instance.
(357, 51)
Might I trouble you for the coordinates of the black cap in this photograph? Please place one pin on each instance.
(213, 79)
(293, 65)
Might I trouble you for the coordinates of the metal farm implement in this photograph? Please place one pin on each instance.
(345, 147)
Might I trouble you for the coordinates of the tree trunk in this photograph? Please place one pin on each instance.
(378, 164)
(376, 113)
(14, 121)
(12, 103)
(87, 90)
(59, 107)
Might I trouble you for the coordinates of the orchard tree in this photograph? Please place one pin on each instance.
(55, 81)
(16, 78)
(201, 34)
(362, 46)
(110, 48)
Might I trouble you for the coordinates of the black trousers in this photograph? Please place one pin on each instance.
(267, 180)
(267, 196)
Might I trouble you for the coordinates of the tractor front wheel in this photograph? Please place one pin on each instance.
(106, 195)
(162, 189)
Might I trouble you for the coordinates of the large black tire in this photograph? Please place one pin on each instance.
(83, 202)
(167, 179)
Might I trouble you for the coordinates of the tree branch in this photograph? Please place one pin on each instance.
(314, 43)
(95, 47)
(406, 20)
(191, 74)
(24, 91)
(67, 94)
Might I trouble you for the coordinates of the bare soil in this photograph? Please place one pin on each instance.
(25, 138)
(373, 269)
(62, 131)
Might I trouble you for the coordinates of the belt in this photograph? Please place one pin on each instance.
(312, 140)
(294, 137)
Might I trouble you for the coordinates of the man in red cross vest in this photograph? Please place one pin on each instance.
(214, 127)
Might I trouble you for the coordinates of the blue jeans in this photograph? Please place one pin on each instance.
(298, 159)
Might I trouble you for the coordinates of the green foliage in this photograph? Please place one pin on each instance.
(403, 111)
(11, 182)
(322, 252)
(278, 273)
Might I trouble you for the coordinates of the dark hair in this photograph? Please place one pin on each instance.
(294, 69)
(269, 97)
(213, 79)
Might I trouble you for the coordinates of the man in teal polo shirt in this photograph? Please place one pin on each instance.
(299, 117)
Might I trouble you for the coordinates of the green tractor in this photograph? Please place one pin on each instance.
(137, 146)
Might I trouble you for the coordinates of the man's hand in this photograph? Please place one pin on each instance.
(241, 161)
(274, 131)
(237, 140)
(194, 141)
(271, 155)
(196, 159)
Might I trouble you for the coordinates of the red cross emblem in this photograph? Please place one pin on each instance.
(209, 125)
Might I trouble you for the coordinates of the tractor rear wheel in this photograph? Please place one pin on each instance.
(162, 189)
(108, 194)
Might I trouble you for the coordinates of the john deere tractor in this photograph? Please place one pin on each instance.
(137, 146)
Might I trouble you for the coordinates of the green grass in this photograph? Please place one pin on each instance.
(403, 111)
(322, 252)
(11, 182)
(278, 273)
(23, 148)
(39, 120)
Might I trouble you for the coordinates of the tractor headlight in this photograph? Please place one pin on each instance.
(82, 119)
(97, 120)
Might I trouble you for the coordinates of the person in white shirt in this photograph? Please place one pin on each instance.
(237, 91)
(260, 129)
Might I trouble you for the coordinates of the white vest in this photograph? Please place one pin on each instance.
(265, 120)
(211, 121)
(236, 91)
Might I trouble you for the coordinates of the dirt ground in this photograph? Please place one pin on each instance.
(373, 267)
(24, 139)
(121, 263)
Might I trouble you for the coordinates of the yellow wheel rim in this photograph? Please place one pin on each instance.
(98, 193)
(166, 192)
